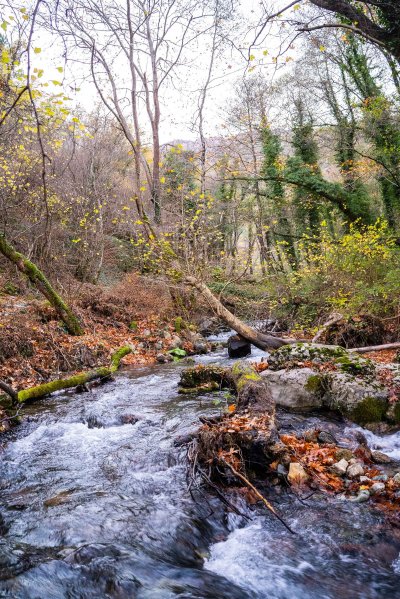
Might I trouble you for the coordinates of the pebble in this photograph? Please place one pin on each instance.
(377, 488)
(341, 467)
(355, 470)
(362, 496)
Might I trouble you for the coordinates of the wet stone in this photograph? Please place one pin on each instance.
(377, 488)
(355, 470)
(381, 458)
(341, 467)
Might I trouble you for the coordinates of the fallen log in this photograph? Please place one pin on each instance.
(258, 339)
(371, 348)
(76, 380)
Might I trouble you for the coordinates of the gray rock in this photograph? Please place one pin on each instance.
(200, 347)
(290, 388)
(362, 496)
(381, 458)
(396, 478)
(382, 477)
(161, 358)
(238, 347)
(340, 467)
(175, 342)
(358, 400)
(354, 471)
(377, 488)
(327, 437)
(158, 345)
(146, 333)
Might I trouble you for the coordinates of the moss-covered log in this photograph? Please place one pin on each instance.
(75, 380)
(38, 279)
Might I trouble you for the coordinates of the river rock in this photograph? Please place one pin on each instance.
(396, 478)
(175, 342)
(362, 496)
(292, 388)
(354, 471)
(344, 454)
(238, 347)
(164, 358)
(200, 347)
(290, 356)
(357, 399)
(380, 458)
(377, 488)
(327, 437)
(340, 467)
(297, 474)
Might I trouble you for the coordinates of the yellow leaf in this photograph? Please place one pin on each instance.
(37, 50)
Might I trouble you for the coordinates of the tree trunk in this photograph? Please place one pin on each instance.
(38, 279)
(45, 389)
(258, 339)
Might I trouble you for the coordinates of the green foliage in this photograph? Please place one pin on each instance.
(177, 353)
(356, 273)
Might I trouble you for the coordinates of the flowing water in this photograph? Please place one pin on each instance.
(95, 504)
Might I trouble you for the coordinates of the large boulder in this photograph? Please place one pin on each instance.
(238, 347)
(307, 388)
(356, 399)
(297, 389)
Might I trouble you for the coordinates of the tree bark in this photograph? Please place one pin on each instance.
(38, 279)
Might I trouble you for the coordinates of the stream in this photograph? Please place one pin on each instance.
(95, 504)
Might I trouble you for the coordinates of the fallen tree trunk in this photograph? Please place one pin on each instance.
(38, 279)
(260, 340)
(76, 380)
(365, 350)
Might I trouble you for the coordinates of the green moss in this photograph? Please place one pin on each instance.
(179, 324)
(133, 326)
(370, 409)
(118, 355)
(396, 412)
(316, 384)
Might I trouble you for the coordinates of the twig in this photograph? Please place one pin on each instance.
(258, 494)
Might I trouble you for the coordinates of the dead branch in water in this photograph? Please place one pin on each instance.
(257, 493)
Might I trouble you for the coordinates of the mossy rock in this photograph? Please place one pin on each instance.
(370, 409)
(316, 383)
(200, 375)
(291, 356)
